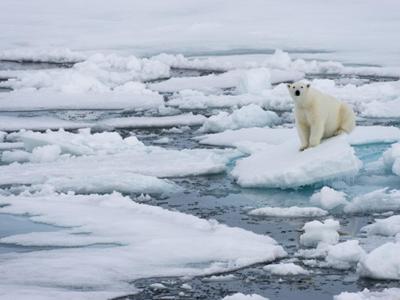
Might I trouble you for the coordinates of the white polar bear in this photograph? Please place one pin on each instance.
(318, 115)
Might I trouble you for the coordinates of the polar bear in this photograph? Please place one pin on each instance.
(318, 115)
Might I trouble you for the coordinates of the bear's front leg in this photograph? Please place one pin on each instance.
(304, 135)
(317, 131)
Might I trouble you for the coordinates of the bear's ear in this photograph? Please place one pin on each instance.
(308, 85)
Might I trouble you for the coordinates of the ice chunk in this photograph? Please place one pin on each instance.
(46, 153)
(381, 263)
(55, 55)
(138, 241)
(360, 135)
(2, 136)
(240, 296)
(377, 201)
(391, 158)
(293, 211)
(7, 146)
(284, 166)
(328, 198)
(168, 121)
(248, 116)
(316, 232)
(388, 227)
(285, 269)
(81, 143)
(16, 155)
(9, 123)
(386, 294)
(254, 81)
(344, 255)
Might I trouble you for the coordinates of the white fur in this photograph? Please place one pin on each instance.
(318, 115)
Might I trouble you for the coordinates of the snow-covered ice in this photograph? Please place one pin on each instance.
(381, 263)
(380, 200)
(316, 232)
(286, 269)
(247, 116)
(386, 294)
(344, 255)
(293, 211)
(11, 123)
(284, 166)
(240, 296)
(142, 241)
(328, 198)
(388, 227)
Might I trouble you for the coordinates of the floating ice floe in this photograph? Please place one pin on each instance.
(286, 269)
(103, 162)
(248, 116)
(240, 296)
(361, 135)
(391, 158)
(293, 211)
(316, 232)
(386, 294)
(381, 263)
(11, 123)
(387, 227)
(344, 255)
(328, 198)
(128, 241)
(188, 119)
(247, 81)
(284, 166)
(52, 55)
(380, 200)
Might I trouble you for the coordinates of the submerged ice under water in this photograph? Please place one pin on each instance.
(217, 196)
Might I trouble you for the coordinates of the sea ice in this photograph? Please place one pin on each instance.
(386, 294)
(293, 211)
(138, 241)
(316, 232)
(240, 296)
(285, 269)
(328, 198)
(284, 166)
(248, 116)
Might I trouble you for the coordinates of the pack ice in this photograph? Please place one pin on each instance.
(127, 241)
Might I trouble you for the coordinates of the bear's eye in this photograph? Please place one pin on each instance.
(293, 87)
(301, 87)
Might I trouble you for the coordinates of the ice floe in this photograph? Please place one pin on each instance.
(361, 135)
(286, 269)
(143, 242)
(248, 116)
(316, 232)
(387, 227)
(284, 166)
(11, 123)
(391, 158)
(240, 296)
(293, 211)
(381, 263)
(328, 198)
(387, 294)
(188, 119)
(380, 200)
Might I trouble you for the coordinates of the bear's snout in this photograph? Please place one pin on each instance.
(297, 93)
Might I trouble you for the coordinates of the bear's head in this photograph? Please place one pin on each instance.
(298, 90)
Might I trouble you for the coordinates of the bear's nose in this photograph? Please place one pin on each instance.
(297, 93)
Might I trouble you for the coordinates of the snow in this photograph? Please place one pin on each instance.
(381, 263)
(379, 200)
(316, 232)
(56, 55)
(284, 166)
(248, 116)
(344, 255)
(387, 294)
(387, 227)
(240, 296)
(172, 26)
(360, 136)
(142, 242)
(328, 198)
(45, 154)
(188, 119)
(254, 81)
(285, 269)
(391, 158)
(293, 211)
(11, 123)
